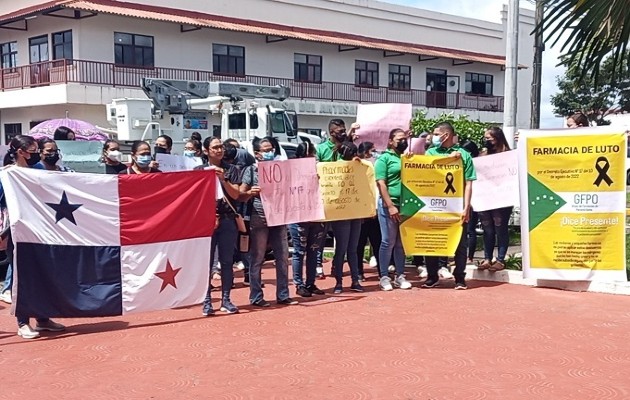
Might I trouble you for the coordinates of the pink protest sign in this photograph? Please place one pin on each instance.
(377, 120)
(416, 145)
(289, 191)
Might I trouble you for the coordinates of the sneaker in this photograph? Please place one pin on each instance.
(356, 287)
(26, 332)
(320, 273)
(50, 326)
(303, 291)
(228, 307)
(287, 302)
(373, 262)
(6, 297)
(361, 278)
(207, 309)
(460, 286)
(401, 282)
(391, 269)
(338, 288)
(314, 290)
(239, 266)
(386, 283)
(431, 283)
(261, 303)
(422, 272)
(445, 273)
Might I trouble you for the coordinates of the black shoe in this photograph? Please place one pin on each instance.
(460, 286)
(314, 289)
(261, 303)
(228, 307)
(356, 287)
(338, 288)
(361, 278)
(430, 283)
(287, 302)
(303, 291)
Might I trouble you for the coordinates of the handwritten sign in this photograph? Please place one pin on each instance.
(174, 163)
(496, 174)
(289, 191)
(348, 189)
(377, 120)
(83, 156)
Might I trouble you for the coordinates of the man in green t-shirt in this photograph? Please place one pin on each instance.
(445, 146)
(327, 151)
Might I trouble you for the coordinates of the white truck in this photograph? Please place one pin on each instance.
(223, 109)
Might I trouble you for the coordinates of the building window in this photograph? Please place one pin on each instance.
(478, 84)
(38, 49)
(228, 59)
(11, 131)
(307, 68)
(133, 50)
(8, 53)
(399, 77)
(62, 45)
(366, 73)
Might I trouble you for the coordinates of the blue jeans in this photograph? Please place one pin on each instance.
(495, 231)
(347, 235)
(8, 280)
(306, 238)
(276, 236)
(224, 240)
(391, 242)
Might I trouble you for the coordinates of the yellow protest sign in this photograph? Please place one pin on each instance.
(348, 189)
(432, 201)
(574, 205)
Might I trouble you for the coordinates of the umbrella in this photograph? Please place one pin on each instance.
(82, 130)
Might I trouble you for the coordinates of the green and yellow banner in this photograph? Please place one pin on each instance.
(432, 201)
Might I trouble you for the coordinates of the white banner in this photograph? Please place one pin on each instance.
(174, 163)
(497, 181)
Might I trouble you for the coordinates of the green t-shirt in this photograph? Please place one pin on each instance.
(469, 168)
(326, 151)
(387, 168)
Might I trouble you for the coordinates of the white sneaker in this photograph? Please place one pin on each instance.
(445, 273)
(26, 332)
(401, 282)
(6, 297)
(422, 272)
(391, 269)
(239, 266)
(386, 284)
(373, 262)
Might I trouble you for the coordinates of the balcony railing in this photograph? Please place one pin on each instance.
(108, 74)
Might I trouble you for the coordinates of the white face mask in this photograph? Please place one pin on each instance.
(114, 155)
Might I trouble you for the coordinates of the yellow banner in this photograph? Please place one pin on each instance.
(576, 204)
(432, 200)
(348, 189)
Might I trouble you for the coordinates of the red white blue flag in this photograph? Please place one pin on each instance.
(89, 245)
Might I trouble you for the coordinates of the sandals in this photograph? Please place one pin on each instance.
(485, 264)
(497, 266)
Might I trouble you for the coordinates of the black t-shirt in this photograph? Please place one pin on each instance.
(131, 171)
(115, 169)
(233, 175)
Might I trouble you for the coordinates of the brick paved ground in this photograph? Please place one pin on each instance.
(493, 341)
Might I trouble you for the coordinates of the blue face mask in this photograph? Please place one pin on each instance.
(269, 156)
(189, 153)
(143, 161)
(436, 141)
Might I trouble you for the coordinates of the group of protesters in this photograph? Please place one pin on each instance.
(240, 213)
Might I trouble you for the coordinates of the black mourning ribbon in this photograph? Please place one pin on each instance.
(449, 183)
(602, 172)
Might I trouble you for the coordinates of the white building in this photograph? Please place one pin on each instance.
(75, 56)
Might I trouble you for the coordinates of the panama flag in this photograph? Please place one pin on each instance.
(89, 245)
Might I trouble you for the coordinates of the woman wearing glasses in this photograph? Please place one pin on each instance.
(50, 156)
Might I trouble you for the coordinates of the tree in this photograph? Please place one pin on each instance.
(578, 92)
(465, 127)
(596, 29)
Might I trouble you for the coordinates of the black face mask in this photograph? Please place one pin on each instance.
(488, 144)
(51, 159)
(341, 137)
(35, 158)
(402, 146)
(160, 150)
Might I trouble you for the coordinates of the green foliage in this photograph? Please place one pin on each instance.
(596, 101)
(465, 127)
(513, 262)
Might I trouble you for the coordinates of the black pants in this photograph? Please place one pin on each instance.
(433, 263)
(370, 230)
(419, 261)
(472, 234)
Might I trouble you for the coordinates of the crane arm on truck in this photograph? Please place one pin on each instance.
(180, 96)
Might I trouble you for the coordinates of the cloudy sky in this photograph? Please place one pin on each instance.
(490, 10)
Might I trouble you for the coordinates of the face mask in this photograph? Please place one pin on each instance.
(189, 153)
(341, 137)
(488, 144)
(436, 141)
(401, 146)
(51, 159)
(114, 155)
(143, 161)
(35, 158)
(160, 150)
(268, 156)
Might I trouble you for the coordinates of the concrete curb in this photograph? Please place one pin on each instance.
(516, 278)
